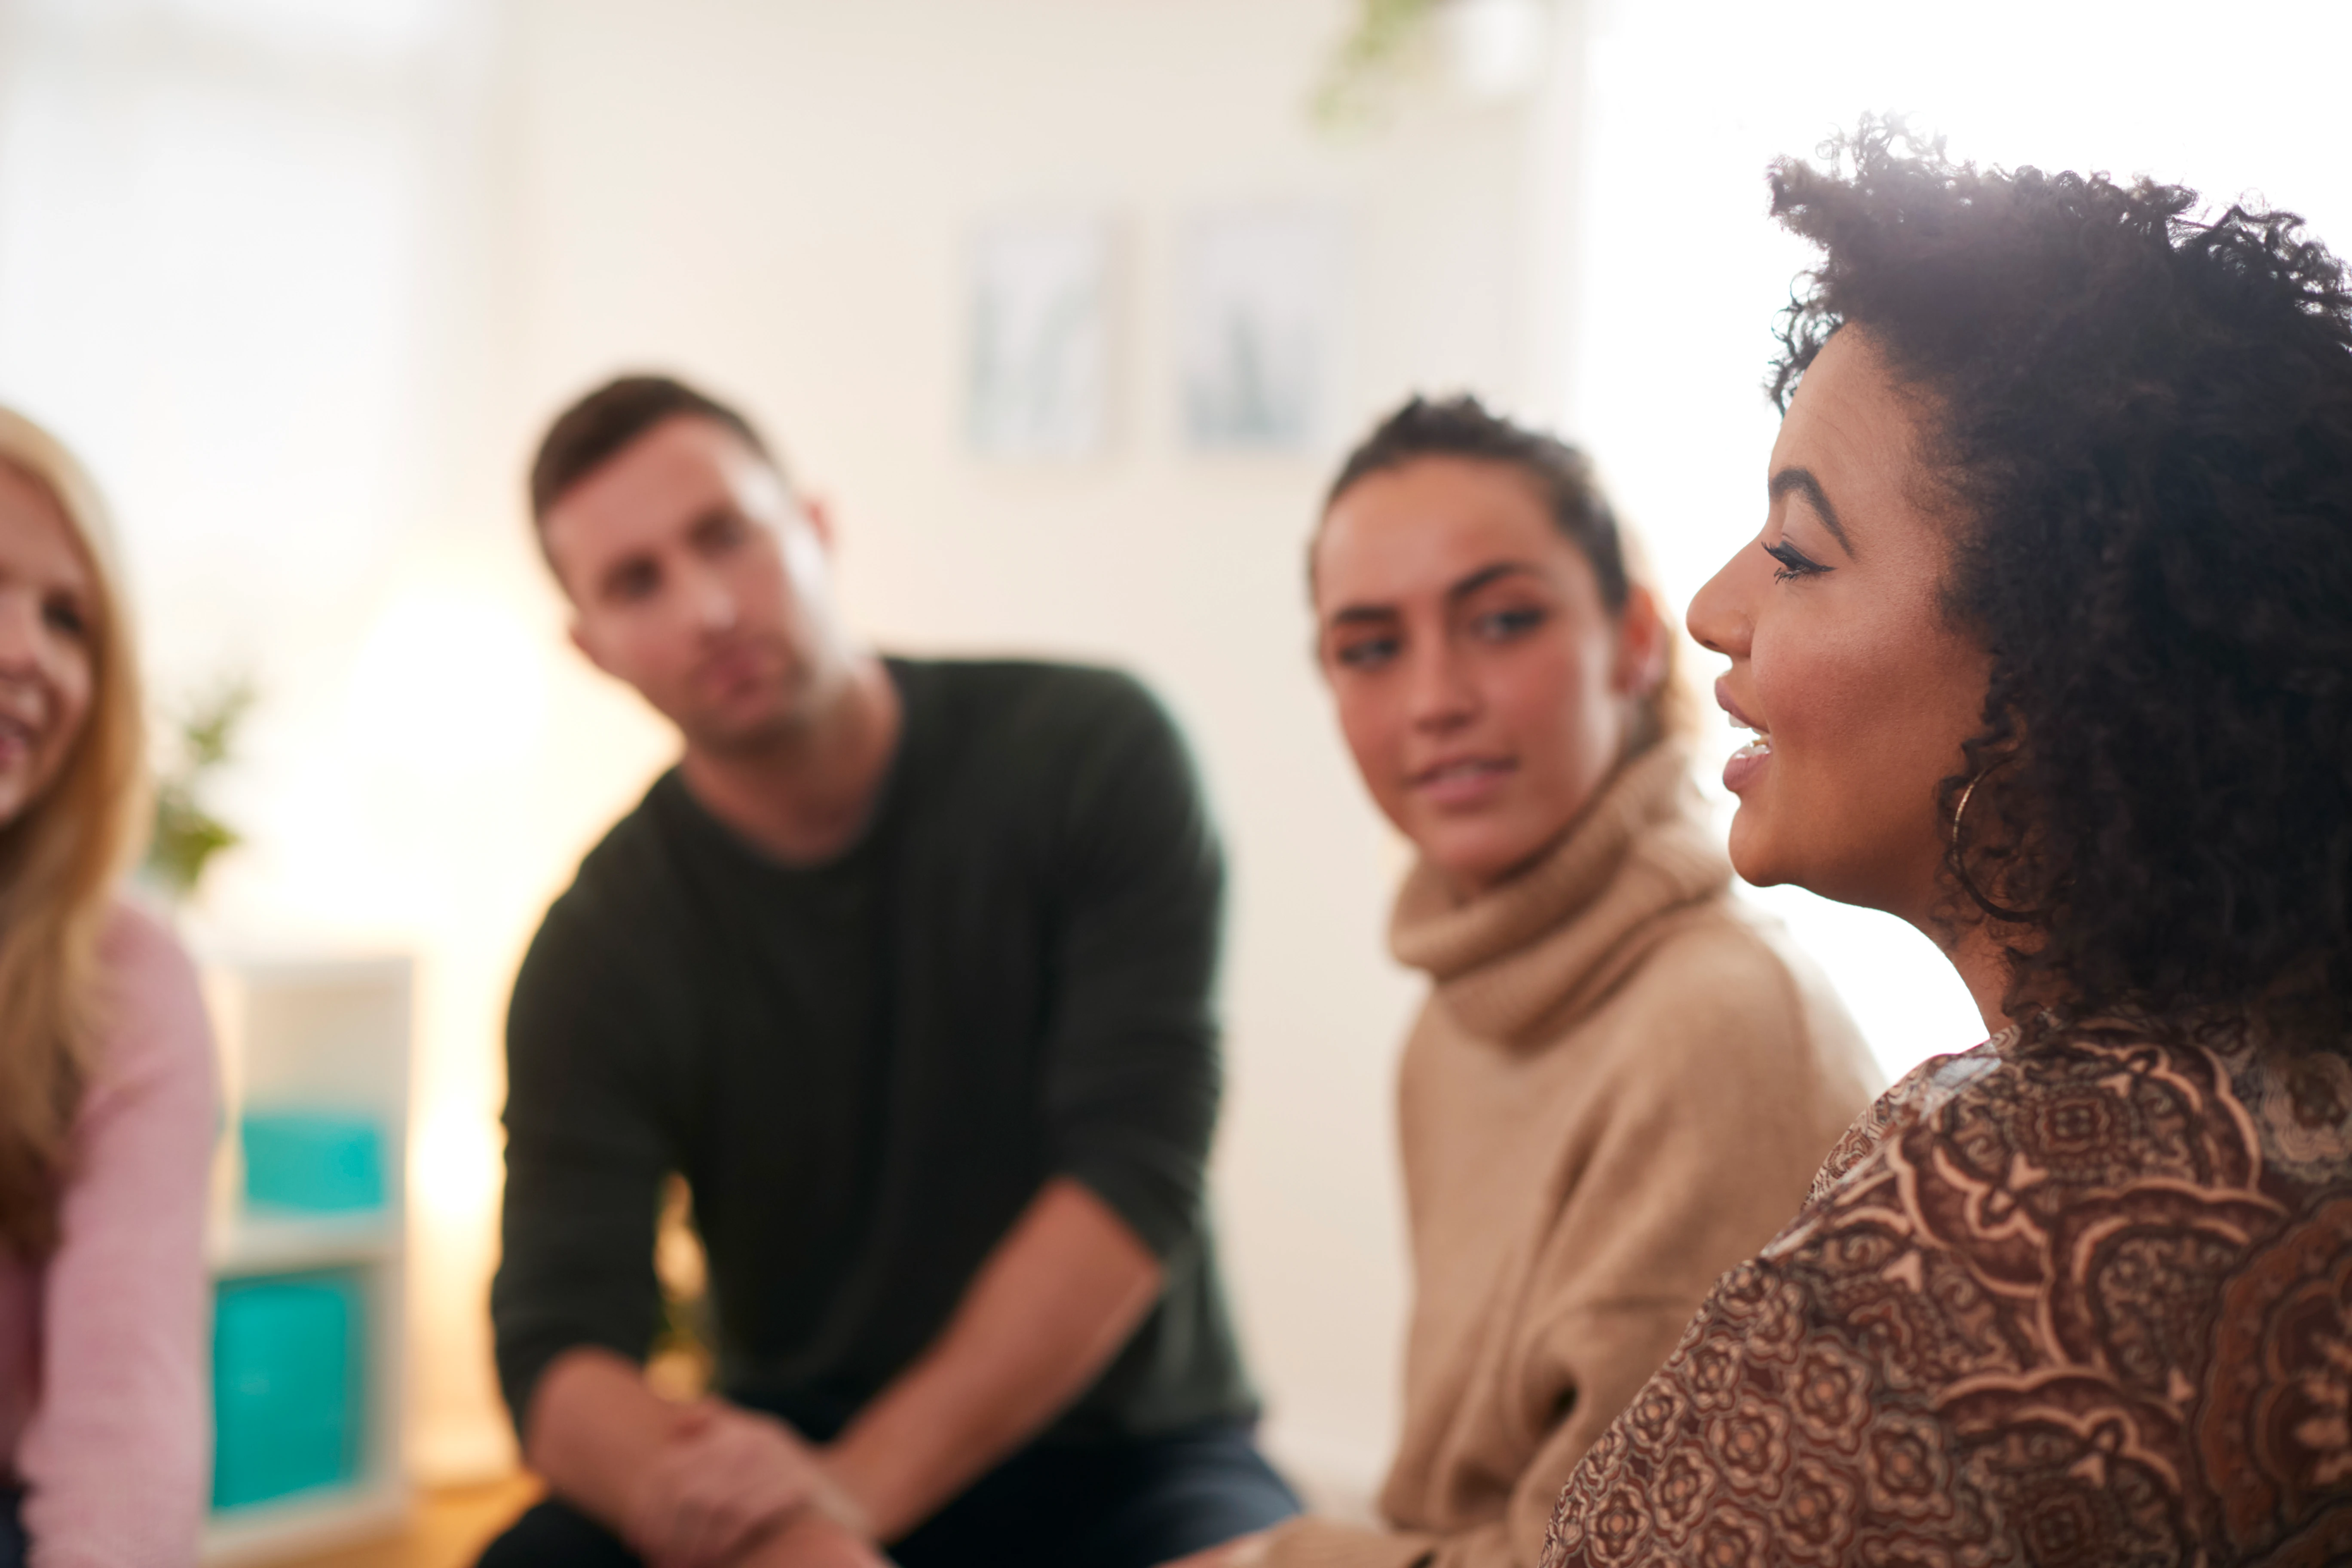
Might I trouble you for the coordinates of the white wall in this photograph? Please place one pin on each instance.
(775, 197)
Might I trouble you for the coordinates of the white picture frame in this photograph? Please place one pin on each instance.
(1038, 379)
(1258, 320)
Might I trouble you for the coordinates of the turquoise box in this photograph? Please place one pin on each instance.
(312, 1162)
(288, 1391)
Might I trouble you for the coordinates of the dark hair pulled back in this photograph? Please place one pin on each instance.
(1462, 426)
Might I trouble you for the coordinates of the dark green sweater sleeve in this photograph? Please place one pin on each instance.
(1132, 1072)
(587, 1155)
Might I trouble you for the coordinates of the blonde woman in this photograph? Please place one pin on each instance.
(1623, 1081)
(106, 1070)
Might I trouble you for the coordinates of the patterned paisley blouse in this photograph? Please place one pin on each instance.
(2089, 1303)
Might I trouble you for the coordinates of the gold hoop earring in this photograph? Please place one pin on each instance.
(1957, 863)
(1961, 810)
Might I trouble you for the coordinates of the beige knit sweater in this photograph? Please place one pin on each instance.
(1619, 1087)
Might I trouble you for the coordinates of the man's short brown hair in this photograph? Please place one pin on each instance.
(594, 430)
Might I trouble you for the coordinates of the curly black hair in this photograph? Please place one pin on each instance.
(2143, 420)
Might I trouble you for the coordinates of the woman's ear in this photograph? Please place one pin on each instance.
(1642, 645)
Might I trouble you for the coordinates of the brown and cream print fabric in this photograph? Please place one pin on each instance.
(2085, 1303)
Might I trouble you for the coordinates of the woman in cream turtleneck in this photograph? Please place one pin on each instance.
(1623, 1081)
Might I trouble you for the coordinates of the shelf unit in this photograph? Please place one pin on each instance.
(322, 1035)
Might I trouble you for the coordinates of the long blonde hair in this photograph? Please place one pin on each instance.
(59, 862)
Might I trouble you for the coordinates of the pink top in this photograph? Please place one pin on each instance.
(103, 1392)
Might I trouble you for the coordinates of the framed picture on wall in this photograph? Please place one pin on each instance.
(1257, 322)
(1038, 381)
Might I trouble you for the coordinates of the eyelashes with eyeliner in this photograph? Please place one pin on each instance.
(1793, 562)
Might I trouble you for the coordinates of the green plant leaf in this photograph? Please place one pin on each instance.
(1368, 58)
(184, 836)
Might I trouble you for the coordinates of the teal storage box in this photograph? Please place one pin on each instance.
(289, 1398)
(312, 1162)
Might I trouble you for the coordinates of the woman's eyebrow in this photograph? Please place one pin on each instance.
(1353, 614)
(1802, 481)
(1486, 574)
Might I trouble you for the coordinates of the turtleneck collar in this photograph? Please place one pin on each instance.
(1555, 935)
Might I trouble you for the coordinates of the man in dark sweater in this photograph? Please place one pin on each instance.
(906, 969)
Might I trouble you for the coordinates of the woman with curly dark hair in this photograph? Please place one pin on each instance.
(2047, 646)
